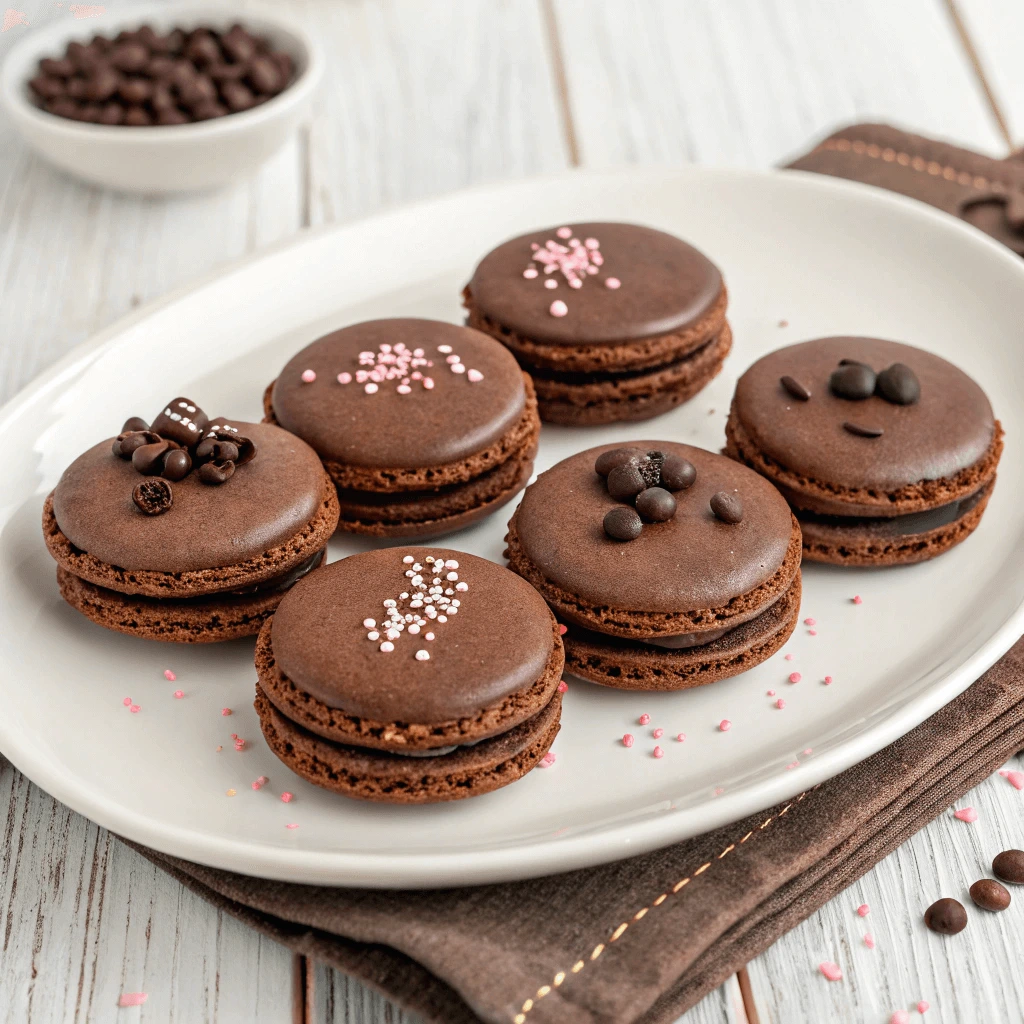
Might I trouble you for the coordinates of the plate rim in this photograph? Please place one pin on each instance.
(534, 857)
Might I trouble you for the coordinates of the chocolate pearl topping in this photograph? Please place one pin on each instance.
(946, 916)
(862, 431)
(1009, 866)
(656, 505)
(153, 496)
(795, 388)
(990, 895)
(607, 461)
(216, 472)
(677, 473)
(128, 441)
(177, 465)
(727, 507)
(898, 384)
(622, 523)
(853, 381)
(625, 482)
(149, 459)
(134, 423)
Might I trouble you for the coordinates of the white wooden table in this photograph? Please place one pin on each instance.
(423, 98)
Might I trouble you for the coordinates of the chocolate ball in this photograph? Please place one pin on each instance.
(177, 465)
(135, 90)
(264, 76)
(153, 497)
(990, 895)
(138, 117)
(1009, 866)
(727, 506)
(898, 384)
(946, 916)
(129, 57)
(656, 504)
(677, 473)
(607, 461)
(102, 83)
(622, 523)
(650, 468)
(625, 482)
(854, 381)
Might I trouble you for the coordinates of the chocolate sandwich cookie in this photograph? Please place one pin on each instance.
(886, 453)
(612, 321)
(188, 529)
(425, 427)
(398, 675)
(671, 566)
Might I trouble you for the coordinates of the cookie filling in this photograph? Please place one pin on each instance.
(286, 579)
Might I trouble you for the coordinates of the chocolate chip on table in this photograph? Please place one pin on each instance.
(727, 507)
(622, 523)
(862, 431)
(625, 482)
(854, 381)
(153, 497)
(990, 895)
(898, 384)
(677, 473)
(607, 461)
(795, 388)
(946, 916)
(216, 472)
(656, 505)
(1009, 866)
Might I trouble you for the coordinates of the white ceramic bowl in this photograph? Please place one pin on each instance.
(165, 158)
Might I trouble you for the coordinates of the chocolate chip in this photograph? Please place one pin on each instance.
(132, 438)
(135, 90)
(129, 57)
(46, 87)
(182, 421)
(607, 461)
(153, 496)
(76, 87)
(238, 44)
(62, 106)
(1009, 866)
(162, 99)
(90, 113)
(625, 482)
(656, 504)
(898, 384)
(210, 449)
(854, 381)
(677, 473)
(177, 464)
(102, 83)
(208, 110)
(149, 459)
(990, 895)
(622, 523)
(728, 507)
(137, 117)
(160, 66)
(650, 467)
(225, 72)
(264, 76)
(172, 115)
(946, 916)
(202, 48)
(216, 472)
(112, 113)
(236, 96)
(62, 68)
(83, 57)
(861, 431)
(795, 388)
(197, 91)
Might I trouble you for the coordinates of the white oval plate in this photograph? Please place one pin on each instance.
(825, 256)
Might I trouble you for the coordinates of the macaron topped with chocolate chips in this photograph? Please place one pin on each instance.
(613, 321)
(399, 675)
(887, 453)
(189, 528)
(670, 566)
(425, 427)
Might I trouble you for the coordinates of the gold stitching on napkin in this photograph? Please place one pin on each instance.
(529, 1004)
(916, 163)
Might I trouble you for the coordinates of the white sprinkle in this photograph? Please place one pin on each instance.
(393, 633)
(414, 629)
(462, 587)
(453, 576)
(456, 603)
(404, 596)
(387, 647)
(453, 611)
(442, 618)
(417, 567)
(373, 635)
(430, 558)
(444, 348)
(345, 378)
(390, 603)
(475, 376)
(429, 636)
(371, 388)
(423, 655)
(458, 368)
(451, 564)
(369, 623)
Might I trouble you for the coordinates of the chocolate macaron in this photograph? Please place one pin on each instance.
(398, 675)
(188, 529)
(671, 566)
(612, 321)
(887, 453)
(425, 427)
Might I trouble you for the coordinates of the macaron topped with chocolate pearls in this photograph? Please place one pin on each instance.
(425, 427)
(613, 321)
(887, 453)
(399, 675)
(189, 528)
(671, 566)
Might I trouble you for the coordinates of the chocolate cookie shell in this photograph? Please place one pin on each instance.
(458, 417)
(666, 285)
(479, 656)
(689, 574)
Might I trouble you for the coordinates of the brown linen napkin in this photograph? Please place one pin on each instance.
(642, 940)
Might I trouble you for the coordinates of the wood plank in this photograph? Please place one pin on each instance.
(973, 976)
(751, 82)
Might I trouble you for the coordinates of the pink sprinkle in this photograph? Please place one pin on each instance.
(812, 632)
(169, 675)
(127, 702)
(404, 389)
(1015, 779)
(968, 814)
(371, 388)
(178, 694)
(292, 825)
(658, 733)
(680, 737)
(780, 703)
(808, 750)
(725, 725)
(612, 282)
(658, 752)
(627, 740)
(562, 630)
(900, 1017)
(869, 940)
(831, 971)
(546, 761)
(863, 910)
(530, 273)
(422, 655)
(790, 767)
(564, 232)
(558, 308)
(550, 283)
(135, 709)
(810, 622)
(789, 657)
(857, 599)
(132, 998)
(225, 711)
(475, 376)
(345, 378)
(308, 376)
(428, 382)
(795, 677)
(287, 798)
(923, 1006)
(828, 680)
(260, 782)
(563, 686)
(645, 719)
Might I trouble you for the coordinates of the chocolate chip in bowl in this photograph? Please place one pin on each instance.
(207, 94)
